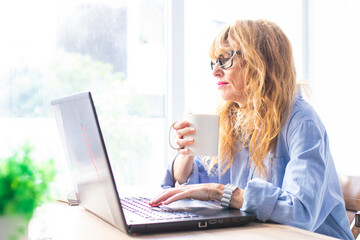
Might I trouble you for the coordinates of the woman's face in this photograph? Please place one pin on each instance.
(231, 82)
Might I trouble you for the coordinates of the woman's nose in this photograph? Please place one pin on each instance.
(218, 71)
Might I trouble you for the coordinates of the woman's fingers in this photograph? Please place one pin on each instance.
(185, 131)
(185, 194)
(185, 142)
(184, 151)
(181, 125)
(198, 191)
(155, 204)
(165, 195)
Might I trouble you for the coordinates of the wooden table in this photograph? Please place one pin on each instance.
(58, 221)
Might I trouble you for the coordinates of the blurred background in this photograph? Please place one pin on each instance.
(146, 62)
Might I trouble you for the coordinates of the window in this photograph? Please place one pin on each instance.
(333, 67)
(115, 49)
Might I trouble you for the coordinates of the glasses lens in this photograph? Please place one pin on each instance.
(225, 60)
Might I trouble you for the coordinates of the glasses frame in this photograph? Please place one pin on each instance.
(212, 64)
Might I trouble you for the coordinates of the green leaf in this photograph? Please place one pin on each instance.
(24, 183)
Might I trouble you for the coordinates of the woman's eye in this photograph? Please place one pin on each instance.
(225, 61)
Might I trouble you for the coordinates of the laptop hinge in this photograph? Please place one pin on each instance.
(72, 199)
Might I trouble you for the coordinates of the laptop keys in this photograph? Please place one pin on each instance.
(141, 207)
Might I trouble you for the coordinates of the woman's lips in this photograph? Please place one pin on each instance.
(221, 84)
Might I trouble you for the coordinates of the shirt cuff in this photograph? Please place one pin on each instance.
(260, 198)
(197, 175)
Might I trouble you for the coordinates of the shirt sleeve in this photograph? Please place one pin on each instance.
(298, 201)
(198, 174)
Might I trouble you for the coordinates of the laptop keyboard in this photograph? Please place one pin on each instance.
(140, 206)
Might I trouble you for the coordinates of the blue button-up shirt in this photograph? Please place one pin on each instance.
(302, 188)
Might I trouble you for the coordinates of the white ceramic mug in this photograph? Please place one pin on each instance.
(206, 134)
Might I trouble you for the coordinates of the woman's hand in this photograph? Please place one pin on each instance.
(183, 164)
(183, 129)
(204, 192)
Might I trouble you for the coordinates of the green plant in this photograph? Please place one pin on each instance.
(24, 183)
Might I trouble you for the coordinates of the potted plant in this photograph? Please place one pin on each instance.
(24, 185)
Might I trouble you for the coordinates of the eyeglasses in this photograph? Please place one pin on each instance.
(225, 60)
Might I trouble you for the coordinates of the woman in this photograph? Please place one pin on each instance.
(274, 155)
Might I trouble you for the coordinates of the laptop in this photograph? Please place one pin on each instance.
(98, 193)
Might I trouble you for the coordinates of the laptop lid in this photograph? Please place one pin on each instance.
(87, 157)
(90, 168)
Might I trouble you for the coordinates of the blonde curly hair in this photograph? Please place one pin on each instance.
(270, 86)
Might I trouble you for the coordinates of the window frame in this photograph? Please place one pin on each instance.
(175, 46)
